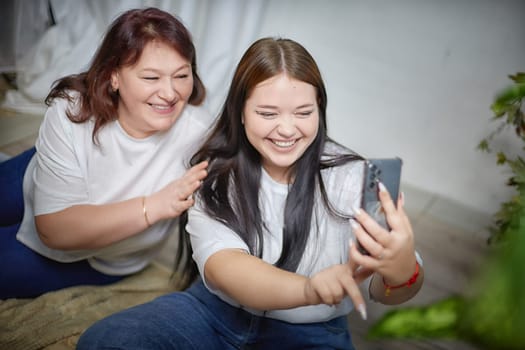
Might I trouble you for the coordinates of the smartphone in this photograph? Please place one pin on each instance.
(388, 172)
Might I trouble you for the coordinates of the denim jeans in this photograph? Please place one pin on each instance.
(11, 180)
(197, 319)
(23, 272)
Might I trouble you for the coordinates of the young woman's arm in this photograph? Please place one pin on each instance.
(393, 294)
(258, 285)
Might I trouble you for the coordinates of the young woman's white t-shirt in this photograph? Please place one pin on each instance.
(326, 247)
(69, 169)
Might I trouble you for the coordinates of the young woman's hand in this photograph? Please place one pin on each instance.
(332, 284)
(392, 254)
(177, 196)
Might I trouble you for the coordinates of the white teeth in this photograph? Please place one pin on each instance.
(283, 143)
(160, 107)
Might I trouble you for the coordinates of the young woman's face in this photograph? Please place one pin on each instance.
(281, 120)
(154, 91)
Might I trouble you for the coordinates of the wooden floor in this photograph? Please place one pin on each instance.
(450, 238)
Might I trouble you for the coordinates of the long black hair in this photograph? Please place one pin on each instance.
(230, 192)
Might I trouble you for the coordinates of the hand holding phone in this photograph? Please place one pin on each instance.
(388, 172)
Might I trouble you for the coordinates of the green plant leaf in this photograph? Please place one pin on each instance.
(484, 146)
(510, 94)
(501, 158)
(499, 109)
(518, 77)
(439, 320)
(495, 315)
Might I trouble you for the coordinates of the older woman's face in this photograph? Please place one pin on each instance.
(281, 120)
(154, 91)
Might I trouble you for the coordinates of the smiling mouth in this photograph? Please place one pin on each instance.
(162, 107)
(284, 144)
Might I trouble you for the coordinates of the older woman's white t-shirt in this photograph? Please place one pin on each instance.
(69, 169)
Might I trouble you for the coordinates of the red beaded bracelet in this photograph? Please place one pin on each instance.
(408, 283)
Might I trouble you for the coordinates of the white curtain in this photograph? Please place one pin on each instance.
(221, 30)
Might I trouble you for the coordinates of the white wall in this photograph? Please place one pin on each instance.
(415, 78)
(411, 78)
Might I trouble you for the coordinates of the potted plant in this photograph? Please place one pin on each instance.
(493, 315)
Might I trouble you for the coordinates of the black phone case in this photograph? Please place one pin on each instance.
(388, 172)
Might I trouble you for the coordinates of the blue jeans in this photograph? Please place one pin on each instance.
(23, 272)
(11, 179)
(197, 319)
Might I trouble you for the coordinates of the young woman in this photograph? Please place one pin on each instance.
(273, 227)
(108, 180)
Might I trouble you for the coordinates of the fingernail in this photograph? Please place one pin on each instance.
(350, 243)
(357, 210)
(362, 311)
(403, 198)
(353, 224)
(382, 187)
